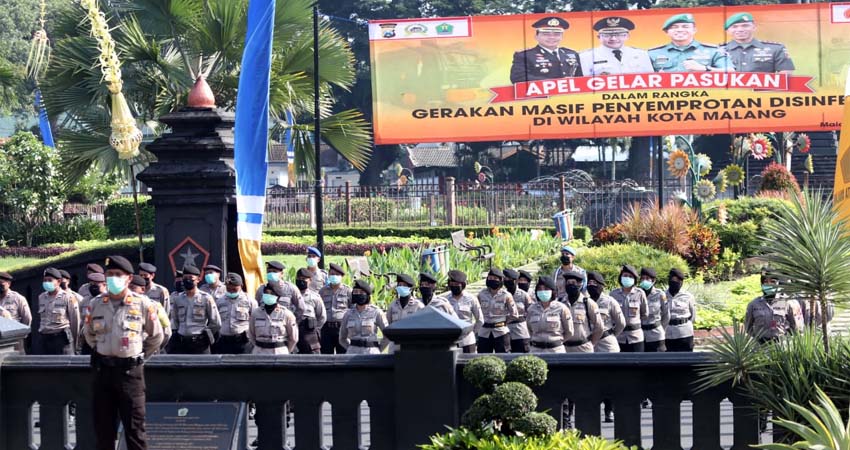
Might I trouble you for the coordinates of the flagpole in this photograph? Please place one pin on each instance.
(317, 141)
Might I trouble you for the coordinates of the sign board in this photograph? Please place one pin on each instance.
(195, 426)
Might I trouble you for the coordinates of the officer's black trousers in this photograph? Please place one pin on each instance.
(118, 392)
(54, 344)
(501, 344)
(308, 341)
(182, 345)
(471, 348)
(681, 344)
(520, 345)
(635, 347)
(232, 345)
(653, 347)
(330, 339)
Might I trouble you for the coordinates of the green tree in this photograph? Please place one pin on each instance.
(29, 181)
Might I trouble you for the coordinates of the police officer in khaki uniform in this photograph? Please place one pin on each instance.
(769, 317)
(466, 307)
(549, 321)
(749, 54)
(613, 323)
(154, 291)
(520, 336)
(498, 308)
(658, 313)
(290, 293)
(359, 328)
(568, 257)
(65, 285)
(235, 308)
(194, 317)
(59, 316)
(405, 304)
(96, 285)
(683, 314)
(272, 328)
(318, 277)
(14, 303)
(122, 330)
(633, 303)
(587, 324)
(310, 315)
(212, 281)
(337, 299)
(5, 314)
(84, 289)
(427, 286)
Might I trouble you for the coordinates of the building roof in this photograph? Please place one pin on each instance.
(438, 154)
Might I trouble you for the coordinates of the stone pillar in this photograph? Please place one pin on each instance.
(451, 211)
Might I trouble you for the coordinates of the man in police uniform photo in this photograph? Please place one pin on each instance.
(749, 54)
(613, 56)
(684, 53)
(547, 59)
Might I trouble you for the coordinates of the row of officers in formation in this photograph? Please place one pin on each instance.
(570, 311)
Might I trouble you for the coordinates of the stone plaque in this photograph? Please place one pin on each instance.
(195, 426)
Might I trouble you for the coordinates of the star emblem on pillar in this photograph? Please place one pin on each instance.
(187, 253)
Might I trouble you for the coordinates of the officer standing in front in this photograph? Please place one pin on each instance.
(318, 277)
(310, 314)
(212, 281)
(405, 305)
(122, 330)
(337, 299)
(683, 314)
(359, 329)
(520, 336)
(658, 313)
(633, 303)
(194, 317)
(59, 316)
(466, 307)
(769, 317)
(549, 321)
(235, 309)
(683, 53)
(749, 54)
(498, 307)
(587, 325)
(272, 328)
(154, 291)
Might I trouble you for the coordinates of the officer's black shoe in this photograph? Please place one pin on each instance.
(608, 418)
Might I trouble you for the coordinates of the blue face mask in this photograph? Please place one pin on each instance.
(269, 299)
(627, 282)
(48, 286)
(312, 262)
(209, 278)
(769, 289)
(646, 285)
(334, 279)
(403, 291)
(544, 296)
(273, 277)
(233, 295)
(115, 285)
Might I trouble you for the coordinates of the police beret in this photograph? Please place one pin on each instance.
(314, 251)
(6, 276)
(568, 249)
(334, 267)
(138, 281)
(149, 268)
(546, 281)
(276, 265)
(427, 277)
(457, 276)
(191, 270)
(678, 18)
(551, 24)
(120, 263)
(738, 18)
(495, 272)
(52, 272)
(96, 277)
(363, 285)
(233, 279)
(178, 273)
(404, 278)
(630, 270)
(511, 274)
(573, 274)
(64, 273)
(597, 277)
(94, 268)
(674, 272)
(212, 267)
(525, 274)
(614, 23)
(304, 273)
(648, 272)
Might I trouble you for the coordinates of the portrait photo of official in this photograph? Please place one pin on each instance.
(749, 54)
(613, 56)
(547, 59)
(684, 53)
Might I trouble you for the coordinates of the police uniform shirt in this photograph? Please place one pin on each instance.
(215, 292)
(318, 279)
(337, 301)
(235, 313)
(539, 63)
(550, 325)
(125, 328)
(58, 313)
(190, 316)
(587, 324)
(291, 295)
(467, 308)
(657, 313)
(671, 58)
(441, 304)
(396, 312)
(518, 326)
(603, 61)
(159, 293)
(362, 326)
(758, 56)
(4, 314)
(634, 309)
(613, 323)
(496, 308)
(312, 307)
(682, 306)
(17, 306)
(275, 328)
(561, 283)
(84, 291)
(766, 320)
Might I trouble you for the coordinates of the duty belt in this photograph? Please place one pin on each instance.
(99, 360)
(515, 321)
(632, 327)
(271, 344)
(608, 332)
(679, 321)
(194, 337)
(365, 343)
(332, 324)
(651, 326)
(241, 337)
(546, 344)
(494, 325)
(576, 343)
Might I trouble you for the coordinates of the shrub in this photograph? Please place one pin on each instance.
(608, 259)
(485, 372)
(512, 400)
(441, 233)
(582, 232)
(528, 369)
(665, 228)
(479, 414)
(465, 439)
(740, 237)
(612, 234)
(703, 247)
(755, 209)
(121, 217)
(775, 177)
(536, 424)
(69, 231)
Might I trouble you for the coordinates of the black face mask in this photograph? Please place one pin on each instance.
(360, 299)
(494, 284)
(510, 285)
(524, 286)
(269, 308)
(403, 301)
(456, 290)
(594, 291)
(301, 284)
(94, 289)
(188, 284)
(566, 259)
(63, 285)
(674, 286)
(573, 291)
(427, 293)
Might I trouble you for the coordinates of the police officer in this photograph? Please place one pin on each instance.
(65, 285)
(548, 59)
(427, 286)
(683, 53)
(274, 274)
(122, 330)
(235, 308)
(520, 336)
(633, 303)
(749, 54)
(212, 281)
(318, 277)
(138, 286)
(14, 303)
(154, 291)
(549, 321)
(310, 315)
(658, 313)
(337, 299)
(359, 328)
(769, 317)
(272, 328)
(613, 324)
(683, 314)
(466, 307)
(568, 256)
(95, 286)
(84, 289)
(405, 304)
(194, 317)
(613, 57)
(59, 316)
(587, 324)
(498, 307)
(524, 283)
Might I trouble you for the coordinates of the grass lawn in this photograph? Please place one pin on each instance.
(299, 261)
(15, 261)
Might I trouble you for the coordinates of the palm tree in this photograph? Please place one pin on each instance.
(164, 45)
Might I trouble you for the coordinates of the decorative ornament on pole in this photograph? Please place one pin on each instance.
(39, 47)
(201, 96)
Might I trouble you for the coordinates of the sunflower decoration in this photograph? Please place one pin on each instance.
(720, 181)
(679, 164)
(761, 147)
(804, 143)
(810, 166)
(705, 191)
(734, 175)
(703, 164)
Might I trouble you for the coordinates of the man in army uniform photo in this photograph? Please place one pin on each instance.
(684, 53)
(613, 56)
(547, 59)
(749, 54)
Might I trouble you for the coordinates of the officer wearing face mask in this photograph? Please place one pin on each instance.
(337, 299)
(318, 277)
(613, 321)
(95, 286)
(235, 308)
(549, 321)
(524, 283)
(587, 324)
(520, 336)
(427, 286)
(13, 302)
(466, 307)
(683, 314)
(274, 274)
(65, 285)
(84, 289)
(154, 291)
(498, 308)
(310, 315)
(272, 328)
(194, 317)
(212, 281)
(657, 316)
(359, 329)
(769, 317)
(632, 301)
(138, 286)
(568, 255)
(405, 304)
(59, 316)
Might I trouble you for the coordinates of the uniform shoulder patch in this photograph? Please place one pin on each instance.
(773, 43)
(658, 48)
(709, 45)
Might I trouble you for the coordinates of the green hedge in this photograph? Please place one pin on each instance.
(121, 217)
(424, 232)
(86, 250)
(583, 233)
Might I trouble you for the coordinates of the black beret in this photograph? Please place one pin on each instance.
(573, 274)
(64, 273)
(96, 277)
(212, 267)
(546, 281)
(178, 273)
(6, 276)
(363, 285)
(94, 268)
(427, 277)
(457, 276)
(496, 273)
(511, 274)
(277, 265)
(334, 267)
(304, 273)
(191, 270)
(629, 269)
(149, 268)
(525, 274)
(120, 263)
(138, 281)
(648, 272)
(233, 279)
(52, 272)
(674, 272)
(614, 24)
(597, 277)
(404, 278)
(551, 23)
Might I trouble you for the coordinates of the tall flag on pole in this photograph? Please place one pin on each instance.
(842, 166)
(43, 121)
(252, 138)
(290, 149)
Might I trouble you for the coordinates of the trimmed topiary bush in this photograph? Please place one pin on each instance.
(120, 217)
(528, 369)
(479, 414)
(485, 372)
(512, 400)
(536, 424)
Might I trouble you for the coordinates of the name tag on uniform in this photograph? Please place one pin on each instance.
(556, 318)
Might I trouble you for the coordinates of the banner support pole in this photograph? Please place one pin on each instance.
(317, 141)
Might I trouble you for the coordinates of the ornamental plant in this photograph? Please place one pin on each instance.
(775, 177)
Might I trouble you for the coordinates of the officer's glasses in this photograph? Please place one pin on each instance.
(613, 35)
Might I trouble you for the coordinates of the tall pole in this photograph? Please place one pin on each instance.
(320, 221)
(660, 171)
(137, 214)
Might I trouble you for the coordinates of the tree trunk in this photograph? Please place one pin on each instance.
(824, 325)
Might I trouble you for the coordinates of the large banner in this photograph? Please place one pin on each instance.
(610, 73)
